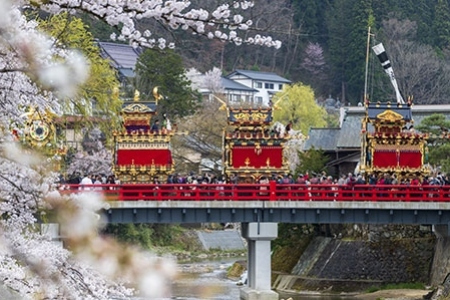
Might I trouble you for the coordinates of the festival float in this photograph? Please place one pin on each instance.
(142, 148)
(389, 141)
(252, 149)
(39, 132)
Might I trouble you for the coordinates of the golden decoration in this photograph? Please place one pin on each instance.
(258, 149)
(243, 117)
(136, 96)
(224, 104)
(389, 116)
(247, 161)
(253, 117)
(137, 108)
(39, 128)
(156, 95)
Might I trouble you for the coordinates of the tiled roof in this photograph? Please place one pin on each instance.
(257, 75)
(322, 138)
(229, 84)
(374, 110)
(350, 137)
(126, 72)
(122, 56)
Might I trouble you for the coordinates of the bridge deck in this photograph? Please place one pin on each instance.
(182, 203)
(279, 211)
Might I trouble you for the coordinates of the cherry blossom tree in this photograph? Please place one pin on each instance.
(315, 66)
(95, 158)
(37, 71)
(213, 81)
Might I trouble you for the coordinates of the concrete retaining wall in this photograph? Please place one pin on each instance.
(223, 240)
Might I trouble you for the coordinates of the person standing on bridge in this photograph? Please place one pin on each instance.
(264, 181)
(86, 181)
(98, 181)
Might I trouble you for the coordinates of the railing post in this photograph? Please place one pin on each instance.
(120, 187)
(408, 194)
(158, 192)
(272, 190)
(197, 194)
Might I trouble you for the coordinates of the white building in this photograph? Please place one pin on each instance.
(236, 92)
(266, 83)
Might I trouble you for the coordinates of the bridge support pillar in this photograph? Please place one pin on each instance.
(258, 236)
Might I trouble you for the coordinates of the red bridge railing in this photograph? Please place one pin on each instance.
(264, 192)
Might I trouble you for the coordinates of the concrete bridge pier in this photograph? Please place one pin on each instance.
(258, 236)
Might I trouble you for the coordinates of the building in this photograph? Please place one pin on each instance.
(122, 57)
(235, 92)
(266, 84)
(240, 86)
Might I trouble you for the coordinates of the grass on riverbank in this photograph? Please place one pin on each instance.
(397, 286)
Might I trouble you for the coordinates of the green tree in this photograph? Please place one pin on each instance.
(309, 15)
(347, 23)
(164, 69)
(313, 160)
(296, 104)
(441, 24)
(434, 125)
(437, 125)
(97, 95)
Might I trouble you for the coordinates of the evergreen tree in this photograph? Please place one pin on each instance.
(437, 125)
(164, 69)
(345, 49)
(313, 160)
(309, 16)
(361, 18)
(441, 24)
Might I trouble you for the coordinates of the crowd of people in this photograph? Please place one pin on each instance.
(77, 178)
(351, 179)
(312, 178)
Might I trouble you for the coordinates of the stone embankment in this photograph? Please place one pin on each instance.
(384, 255)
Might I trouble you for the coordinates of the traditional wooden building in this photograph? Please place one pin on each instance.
(251, 149)
(142, 148)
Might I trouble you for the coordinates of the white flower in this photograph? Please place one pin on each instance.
(243, 26)
(238, 19)
(277, 44)
(147, 33)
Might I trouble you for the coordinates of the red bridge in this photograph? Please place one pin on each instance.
(265, 192)
(276, 203)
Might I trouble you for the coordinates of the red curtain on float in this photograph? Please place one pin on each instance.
(144, 157)
(389, 159)
(411, 159)
(257, 158)
(384, 159)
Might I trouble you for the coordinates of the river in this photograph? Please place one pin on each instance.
(211, 283)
